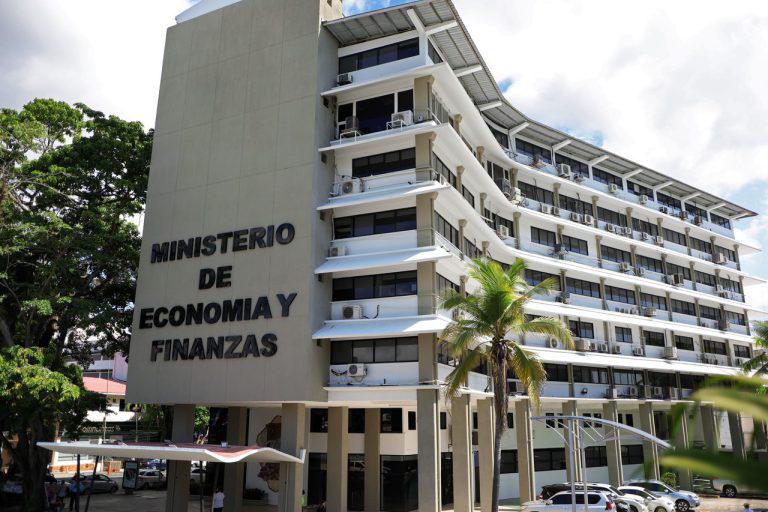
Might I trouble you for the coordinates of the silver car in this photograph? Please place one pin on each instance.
(684, 500)
(654, 503)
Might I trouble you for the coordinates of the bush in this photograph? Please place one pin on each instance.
(670, 479)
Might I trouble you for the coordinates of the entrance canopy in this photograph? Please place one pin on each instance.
(177, 451)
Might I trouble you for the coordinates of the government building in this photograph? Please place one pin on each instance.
(318, 181)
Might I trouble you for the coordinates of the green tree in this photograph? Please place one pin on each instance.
(758, 364)
(71, 180)
(491, 320)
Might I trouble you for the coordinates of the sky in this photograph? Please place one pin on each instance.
(676, 86)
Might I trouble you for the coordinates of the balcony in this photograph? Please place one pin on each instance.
(393, 374)
(387, 307)
(379, 120)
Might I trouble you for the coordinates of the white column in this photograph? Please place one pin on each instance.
(177, 496)
(338, 457)
(291, 442)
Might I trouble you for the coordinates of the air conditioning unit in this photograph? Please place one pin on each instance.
(518, 198)
(720, 258)
(658, 240)
(673, 393)
(576, 217)
(723, 324)
(555, 211)
(404, 118)
(352, 312)
(638, 351)
(578, 177)
(649, 312)
(357, 370)
(352, 186)
(559, 250)
(613, 188)
(588, 219)
(552, 342)
(627, 231)
(632, 391)
(351, 124)
(698, 220)
(683, 214)
(657, 392)
(670, 352)
(678, 279)
(583, 345)
(612, 393)
(337, 250)
(639, 271)
(564, 171)
(545, 208)
(611, 228)
(602, 347)
(624, 266)
(616, 349)
(344, 79)
(506, 187)
(643, 199)
(645, 236)
(502, 231)
(664, 209)
(564, 297)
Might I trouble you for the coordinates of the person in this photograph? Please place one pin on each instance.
(303, 502)
(746, 508)
(218, 500)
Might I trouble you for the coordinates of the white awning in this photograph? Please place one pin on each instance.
(388, 194)
(558, 356)
(381, 327)
(382, 259)
(178, 451)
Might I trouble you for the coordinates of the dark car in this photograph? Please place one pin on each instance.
(550, 490)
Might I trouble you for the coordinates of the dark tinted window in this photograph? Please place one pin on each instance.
(384, 163)
(375, 223)
(374, 287)
(391, 421)
(381, 55)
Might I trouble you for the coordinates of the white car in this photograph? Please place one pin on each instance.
(684, 500)
(654, 503)
(729, 489)
(633, 503)
(561, 502)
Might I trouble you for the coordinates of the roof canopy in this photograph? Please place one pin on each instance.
(178, 451)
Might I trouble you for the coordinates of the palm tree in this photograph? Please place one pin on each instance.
(488, 327)
(759, 362)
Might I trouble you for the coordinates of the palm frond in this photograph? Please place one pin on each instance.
(550, 326)
(528, 368)
(735, 400)
(457, 378)
(749, 473)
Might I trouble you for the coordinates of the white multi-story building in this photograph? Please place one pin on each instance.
(384, 146)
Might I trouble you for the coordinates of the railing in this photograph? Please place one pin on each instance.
(353, 133)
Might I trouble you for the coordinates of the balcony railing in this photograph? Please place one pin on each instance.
(351, 129)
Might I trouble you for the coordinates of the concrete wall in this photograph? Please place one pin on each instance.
(238, 125)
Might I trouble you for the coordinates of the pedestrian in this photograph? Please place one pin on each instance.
(218, 500)
(303, 501)
(746, 508)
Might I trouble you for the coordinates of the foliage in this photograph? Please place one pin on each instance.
(759, 362)
(670, 479)
(490, 321)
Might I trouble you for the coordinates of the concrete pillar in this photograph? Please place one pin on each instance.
(693, 275)
(669, 306)
(480, 152)
(372, 476)
(424, 156)
(422, 92)
(524, 431)
(461, 433)
(570, 409)
(426, 288)
(516, 228)
(629, 218)
(613, 447)
(234, 474)
(425, 219)
(602, 293)
(650, 453)
(556, 194)
(737, 435)
(688, 240)
(183, 430)
(292, 427)
(594, 201)
(337, 458)
(460, 178)
(709, 428)
(483, 197)
(681, 440)
(428, 427)
(599, 247)
(462, 242)
(485, 440)
(736, 254)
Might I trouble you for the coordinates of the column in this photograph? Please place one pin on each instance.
(602, 293)
(425, 219)
(736, 253)
(556, 194)
(685, 479)
(459, 177)
(688, 239)
(633, 256)
(423, 145)
(337, 457)
(594, 201)
(599, 247)
(709, 428)
(573, 455)
(483, 197)
(293, 419)
(457, 123)
(664, 264)
(480, 151)
(693, 274)
(524, 431)
(737, 435)
(427, 426)
(422, 92)
(182, 431)
(669, 305)
(761, 440)
(613, 447)
(513, 176)
(516, 228)
(463, 500)
(372, 476)
(234, 474)
(650, 453)
(485, 441)
(629, 218)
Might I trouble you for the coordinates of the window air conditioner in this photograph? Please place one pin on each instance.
(588, 219)
(578, 177)
(583, 345)
(639, 271)
(627, 231)
(564, 171)
(559, 250)
(352, 186)
(673, 393)
(664, 209)
(352, 312)
(720, 258)
(616, 349)
(637, 351)
(632, 391)
(657, 392)
(344, 79)
(670, 352)
(649, 312)
(555, 211)
(545, 208)
(576, 217)
(613, 188)
(602, 347)
(502, 231)
(611, 228)
(624, 266)
(337, 250)
(612, 393)
(643, 199)
(658, 240)
(552, 342)
(644, 235)
(356, 370)
(678, 279)
(404, 118)
(698, 220)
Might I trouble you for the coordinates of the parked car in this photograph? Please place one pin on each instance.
(150, 478)
(97, 483)
(156, 464)
(654, 503)
(684, 500)
(561, 502)
(622, 504)
(729, 489)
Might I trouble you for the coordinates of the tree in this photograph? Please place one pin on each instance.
(491, 320)
(758, 364)
(71, 180)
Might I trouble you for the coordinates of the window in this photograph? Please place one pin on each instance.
(468, 195)
(651, 264)
(375, 223)
(411, 420)
(684, 342)
(639, 189)
(381, 55)
(383, 350)
(542, 236)
(374, 287)
(470, 249)
(611, 217)
(627, 419)
(614, 254)
(443, 285)
(595, 456)
(384, 163)
(645, 227)
(582, 329)
(728, 284)
(576, 166)
(668, 201)
(695, 210)
(729, 254)
(684, 308)
(736, 318)
(443, 421)
(672, 268)
(447, 230)
(501, 137)
(742, 351)
(581, 287)
(498, 220)
(508, 462)
(589, 375)
(536, 193)
(606, 177)
(714, 347)
(653, 301)
(653, 338)
(432, 52)
(705, 279)
(623, 334)
(674, 236)
(565, 499)
(443, 170)
(627, 377)
(720, 221)
(575, 245)
(709, 313)
(318, 420)
(701, 245)
(532, 150)
(632, 454)
(549, 459)
(534, 277)
(510, 420)
(620, 295)
(688, 381)
(556, 372)
(575, 205)
(662, 380)
(391, 421)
